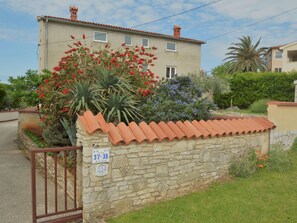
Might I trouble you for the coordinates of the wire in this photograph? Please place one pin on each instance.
(177, 14)
(146, 23)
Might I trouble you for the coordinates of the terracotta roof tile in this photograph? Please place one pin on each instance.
(191, 127)
(126, 132)
(177, 131)
(170, 131)
(159, 132)
(148, 131)
(167, 130)
(139, 135)
(201, 129)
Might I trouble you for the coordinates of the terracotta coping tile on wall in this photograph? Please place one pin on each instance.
(190, 126)
(177, 131)
(126, 132)
(159, 132)
(201, 128)
(223, 126)
(139, 135)
(209, 128)
(149, 133)
(114, 135)
(216, 127)
(188, 131)
(100, 119)
(166, 129)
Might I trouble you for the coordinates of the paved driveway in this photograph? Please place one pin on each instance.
(15, 178)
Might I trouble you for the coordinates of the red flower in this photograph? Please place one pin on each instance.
(46, 81)
(65, 91)
(84, 36)
(154, 58)
(157, 77)
(75, 65)
(80, 72)
(43, 119)
(64, 109)
(41, 96)
(123, 44)
(132, 72)
(57, 69)
(91, 55)
(72, 37)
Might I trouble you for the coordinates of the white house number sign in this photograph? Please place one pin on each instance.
(101, 156)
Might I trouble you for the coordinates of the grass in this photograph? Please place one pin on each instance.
(39, 141)
(263, 197)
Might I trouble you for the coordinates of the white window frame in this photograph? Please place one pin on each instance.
(148, 42)
(101, 41)
(125, 40)
(276, 54)
(170, 72)
(171, 49)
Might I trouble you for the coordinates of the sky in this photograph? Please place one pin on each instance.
(255, 18)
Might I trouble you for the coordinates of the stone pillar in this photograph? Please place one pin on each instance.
(295, 82)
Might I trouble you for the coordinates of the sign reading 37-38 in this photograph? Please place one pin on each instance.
(100, 155)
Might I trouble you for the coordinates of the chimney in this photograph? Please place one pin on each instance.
(176, 31)
(73, 13)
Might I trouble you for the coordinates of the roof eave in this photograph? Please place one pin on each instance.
(115, 28)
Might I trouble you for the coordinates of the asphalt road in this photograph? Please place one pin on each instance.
(15, 178)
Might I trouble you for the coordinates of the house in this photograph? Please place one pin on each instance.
(176, 55)
(282, 58)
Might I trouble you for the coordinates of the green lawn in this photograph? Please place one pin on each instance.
(264, 197)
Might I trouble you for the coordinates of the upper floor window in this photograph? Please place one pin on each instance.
(278, 54)
(145, 43)
(292, 56)
(170, 72)
(128, 40)
(171, 46)
(100, 36)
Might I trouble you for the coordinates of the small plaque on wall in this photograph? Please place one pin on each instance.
(101, 170)
(100, 155)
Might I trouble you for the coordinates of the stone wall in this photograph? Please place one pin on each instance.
(283, 138)
(141, 174)
(28, 145)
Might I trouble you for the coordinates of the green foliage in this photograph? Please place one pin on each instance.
(176, 99)
(245, 166)
(55, 135)
(294, 146)
(70, 128)
(212, 84)
(246, 57)
(278, 160)
(21, 90)
(247, 88)
(36, 139)
(259, 106)
(3, 95)
(221, 70)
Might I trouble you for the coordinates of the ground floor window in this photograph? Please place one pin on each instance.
(170, 72)
(277, 69)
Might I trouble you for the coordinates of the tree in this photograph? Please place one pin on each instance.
(246, 57)
(221, 70)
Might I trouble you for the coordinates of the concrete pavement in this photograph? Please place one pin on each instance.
(8, 116)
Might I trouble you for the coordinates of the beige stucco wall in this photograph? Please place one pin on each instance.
(283, 116)
(289, 66)
(30, 120)
(186, 59)
(141, 174)
(275, 62)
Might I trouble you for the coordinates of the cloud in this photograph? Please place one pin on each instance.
(20, 35)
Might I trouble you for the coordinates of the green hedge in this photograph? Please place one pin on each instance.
(247, 88)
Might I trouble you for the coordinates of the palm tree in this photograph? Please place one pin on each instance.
(246, 57)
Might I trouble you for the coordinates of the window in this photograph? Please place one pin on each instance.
(144, 67)
(171, 46)
(292, 55)
(170, 72)
(128, 40)
(278, 54)
(277, 69)
(145, 43)
(100, 36)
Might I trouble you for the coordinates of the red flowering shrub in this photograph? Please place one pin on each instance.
(86, 78)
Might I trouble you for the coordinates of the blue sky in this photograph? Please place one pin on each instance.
(19, 28)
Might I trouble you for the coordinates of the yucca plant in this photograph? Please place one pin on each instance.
(85, 96)
(121, 108)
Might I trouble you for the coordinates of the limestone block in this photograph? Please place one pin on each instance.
(162, 171)
(209, 167)
(119, 161)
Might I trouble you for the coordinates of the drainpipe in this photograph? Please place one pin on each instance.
(46, 45)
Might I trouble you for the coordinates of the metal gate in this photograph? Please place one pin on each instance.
(59, 168)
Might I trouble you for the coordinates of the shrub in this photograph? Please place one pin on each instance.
(245, 166)
(36, 139)
(294, 146)
(176, 99)
(259, 106)
(278, 160)
(247, 88)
